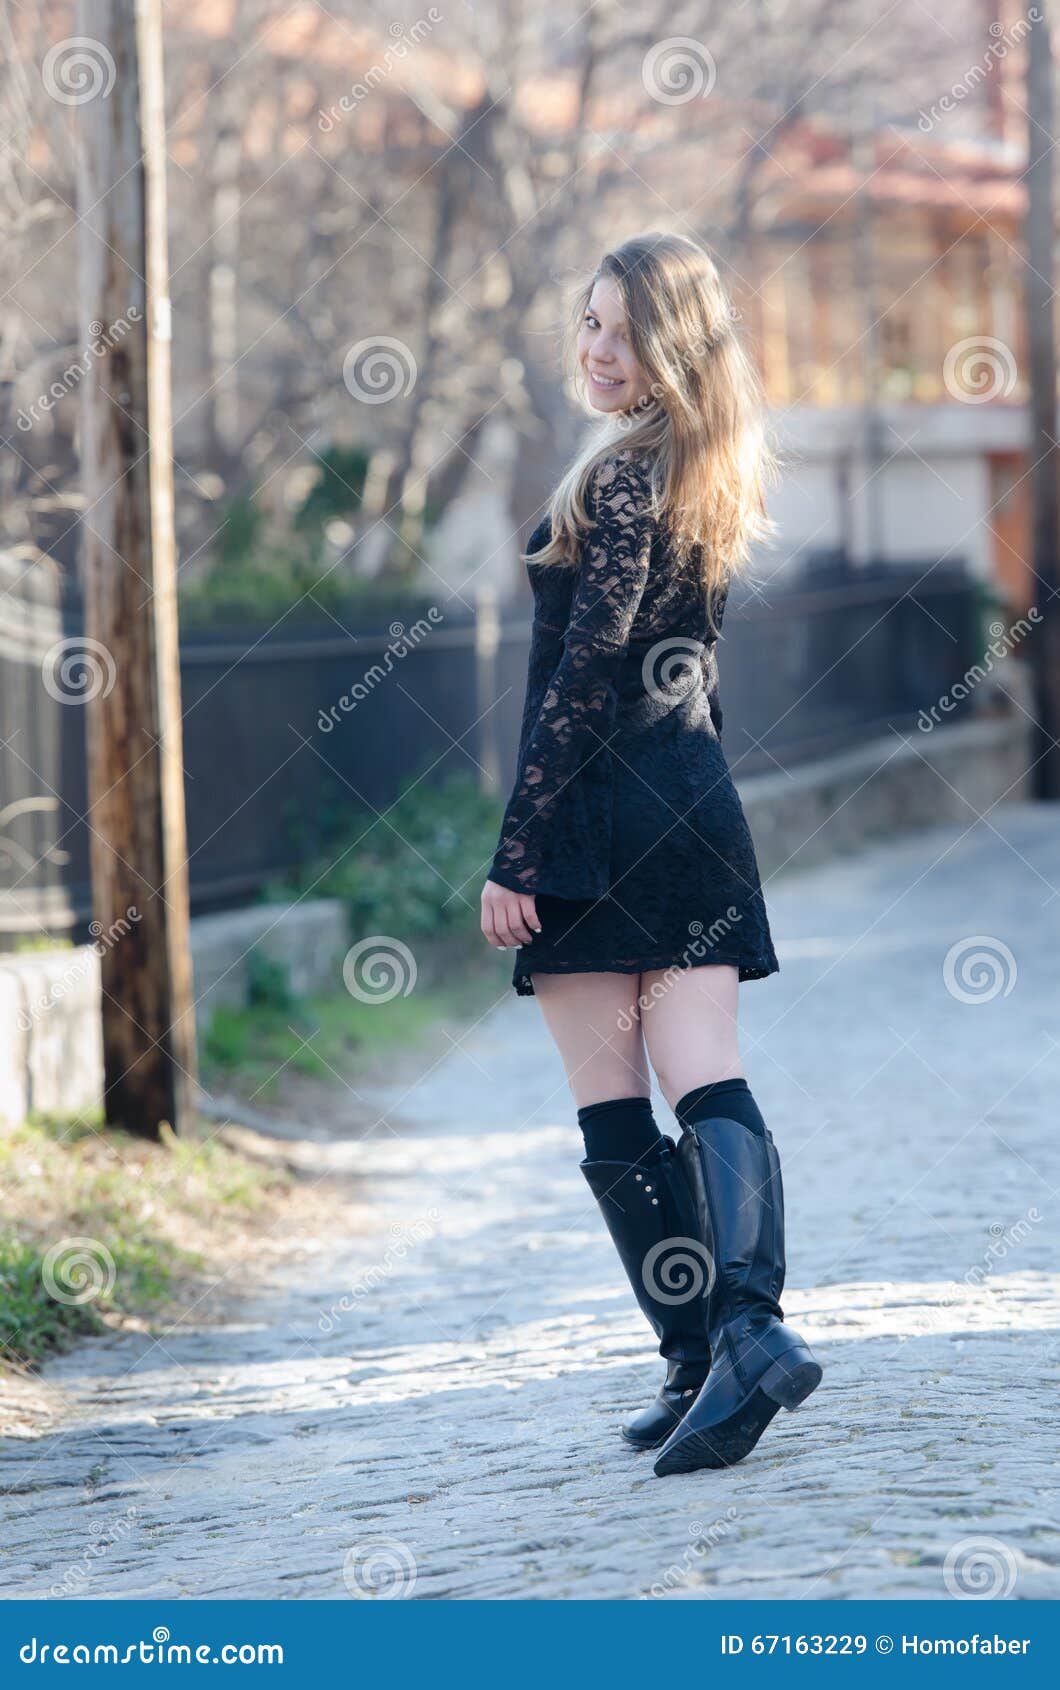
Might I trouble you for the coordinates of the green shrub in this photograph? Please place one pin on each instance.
(240, 532)
(268, 984)
(337, 490)
(416, 872)
(285, 583)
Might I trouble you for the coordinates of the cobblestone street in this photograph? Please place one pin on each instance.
(434, 1411)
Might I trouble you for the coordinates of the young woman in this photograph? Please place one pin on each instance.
(625, 872)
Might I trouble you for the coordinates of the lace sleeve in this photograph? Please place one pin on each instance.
(578, 709)
(713, 693)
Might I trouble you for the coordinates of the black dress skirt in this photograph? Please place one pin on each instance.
(624, 821)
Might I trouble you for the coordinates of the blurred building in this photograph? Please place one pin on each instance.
(884, 305)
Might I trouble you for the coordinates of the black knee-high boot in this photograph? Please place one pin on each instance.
(758, 1363)
(649, 1213)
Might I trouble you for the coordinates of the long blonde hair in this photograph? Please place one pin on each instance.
(699, 427)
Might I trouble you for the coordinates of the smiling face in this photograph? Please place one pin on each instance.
(614, 380)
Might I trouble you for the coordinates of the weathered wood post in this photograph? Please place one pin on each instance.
(135, 774)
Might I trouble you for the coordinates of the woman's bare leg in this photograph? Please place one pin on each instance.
(595, 1023)
(689, 1021)
(644, 1199)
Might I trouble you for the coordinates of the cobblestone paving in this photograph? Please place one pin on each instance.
(435, 1411)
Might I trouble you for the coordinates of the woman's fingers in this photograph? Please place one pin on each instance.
(508, 918)
(494, 916)
(489, 927)
(518, 926)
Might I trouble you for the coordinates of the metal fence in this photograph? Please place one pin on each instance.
(282, 727)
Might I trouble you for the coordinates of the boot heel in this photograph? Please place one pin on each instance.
(791, 1379)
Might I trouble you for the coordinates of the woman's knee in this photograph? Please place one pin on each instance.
(612, 1072)
(690, 1029)
(677, 1078)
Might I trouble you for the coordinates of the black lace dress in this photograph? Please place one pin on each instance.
(624, 821)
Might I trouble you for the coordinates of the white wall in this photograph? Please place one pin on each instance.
(932, 493)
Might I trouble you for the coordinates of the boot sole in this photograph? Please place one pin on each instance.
(643, 1444)
(784, 1385)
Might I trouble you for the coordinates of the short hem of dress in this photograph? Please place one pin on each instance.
(760, 968)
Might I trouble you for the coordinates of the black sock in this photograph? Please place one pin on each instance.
(622, 1130)
(728, 1099)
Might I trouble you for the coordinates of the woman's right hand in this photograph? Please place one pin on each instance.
(508, 918)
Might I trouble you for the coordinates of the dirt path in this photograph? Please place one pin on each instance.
(434, 1411)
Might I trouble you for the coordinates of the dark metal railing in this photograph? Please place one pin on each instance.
(284, 727)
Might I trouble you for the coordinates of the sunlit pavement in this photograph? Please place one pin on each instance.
(436, 1412)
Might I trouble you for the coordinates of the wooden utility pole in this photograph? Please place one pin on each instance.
(1044, 648)
(135, 774)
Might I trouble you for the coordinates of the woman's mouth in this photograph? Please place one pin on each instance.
(606, 384)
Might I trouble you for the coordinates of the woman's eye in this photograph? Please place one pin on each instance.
(591, 322)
